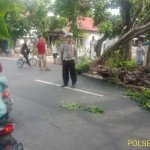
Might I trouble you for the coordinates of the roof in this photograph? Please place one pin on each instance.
(86, 24)
(55, 32)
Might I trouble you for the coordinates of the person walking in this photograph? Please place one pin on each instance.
(41, 54)
(68, 58)
(54, 51)
(25, 52)
(140, 51)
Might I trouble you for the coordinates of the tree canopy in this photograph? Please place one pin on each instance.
(6, 6)
(132, 20)
(19, 17)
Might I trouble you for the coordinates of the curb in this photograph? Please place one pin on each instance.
(93, 76)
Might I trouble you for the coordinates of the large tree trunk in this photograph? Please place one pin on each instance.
(99, 45)
(148, 55)
(128, 50)
(127, 22)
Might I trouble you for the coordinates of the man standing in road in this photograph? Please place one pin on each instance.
(140, 51)
(41, 53)
(68, 57)
(93, 44)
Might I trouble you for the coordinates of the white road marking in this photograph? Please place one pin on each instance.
(95, 94)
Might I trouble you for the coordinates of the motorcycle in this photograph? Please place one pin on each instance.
(7, 142)
(8, 101)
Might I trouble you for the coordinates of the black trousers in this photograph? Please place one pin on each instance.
(26, 57)
(69, 65)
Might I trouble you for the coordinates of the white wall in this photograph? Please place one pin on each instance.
(87, 39)
(109, 42)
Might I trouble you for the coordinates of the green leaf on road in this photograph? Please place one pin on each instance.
(78, 106)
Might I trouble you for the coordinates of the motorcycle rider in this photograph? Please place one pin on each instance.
(3, 86)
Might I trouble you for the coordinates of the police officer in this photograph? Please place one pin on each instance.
(68, 58)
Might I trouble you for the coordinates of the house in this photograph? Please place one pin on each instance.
(83, 43)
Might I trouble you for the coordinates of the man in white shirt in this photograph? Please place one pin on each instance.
(54, 51)
(93, 44)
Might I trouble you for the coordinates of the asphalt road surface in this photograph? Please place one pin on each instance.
(41, 124)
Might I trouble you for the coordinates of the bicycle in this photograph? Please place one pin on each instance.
(22, 61)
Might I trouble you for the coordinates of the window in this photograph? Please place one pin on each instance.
(79, 42)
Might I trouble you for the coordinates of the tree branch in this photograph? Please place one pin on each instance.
(104, 16)
(122, 32)
(118, 25)
(128, 35)
(136, 29)
(99, 44)
(136, 34)
(144, 18)
(137, 13)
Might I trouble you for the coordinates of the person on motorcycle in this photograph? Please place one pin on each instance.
(25, 52)
(3, 86)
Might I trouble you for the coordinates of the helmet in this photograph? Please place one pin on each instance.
(69, 35)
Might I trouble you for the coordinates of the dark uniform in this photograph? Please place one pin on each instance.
(68, 55)
(25, 52)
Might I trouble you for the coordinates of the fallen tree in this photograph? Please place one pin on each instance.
(126, 76)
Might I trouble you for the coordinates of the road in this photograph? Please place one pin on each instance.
(41, 124)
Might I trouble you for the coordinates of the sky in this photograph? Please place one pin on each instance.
(114, 11)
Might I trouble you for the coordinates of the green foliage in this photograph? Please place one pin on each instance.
(57, 23)
(147, 105)
(99, 5)
(78, 106)
(116, 60)
(71, 9)
(110, 82)
(94, 109)
(133, 94)
(105, 20)
(143, 98)
(105, 27)
(6, 6)
(72, 106)
(16, 23)
(146, 94)
(37, 15)
(77, 32)
(3, 29)
(82, 64)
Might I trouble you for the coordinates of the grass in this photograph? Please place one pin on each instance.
(77, 106)
(142, 98)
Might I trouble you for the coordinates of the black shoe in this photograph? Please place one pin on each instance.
(64, 85)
